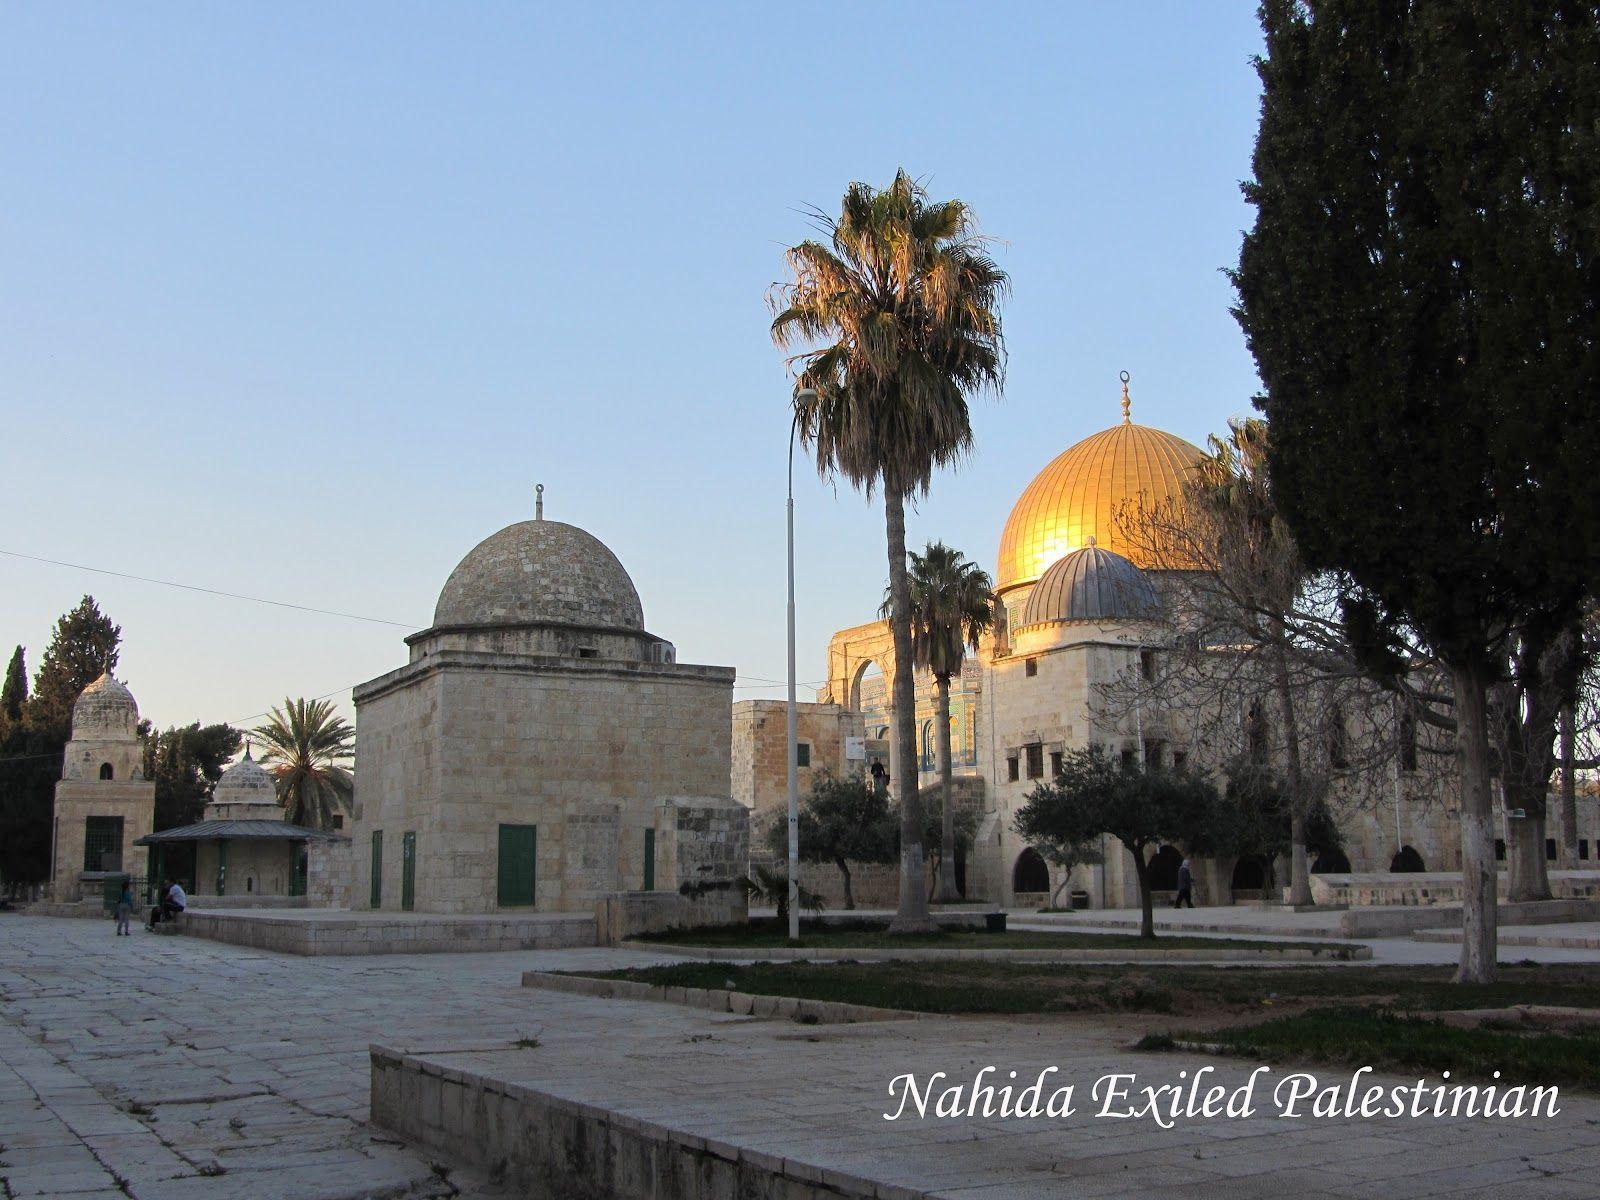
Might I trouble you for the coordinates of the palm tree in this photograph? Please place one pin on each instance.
(904, 294)
(952, 606)
(306, 741)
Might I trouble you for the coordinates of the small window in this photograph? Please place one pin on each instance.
(802, 754)
(105, 771)
(1583, 848)
(1550, 849)
(1180, 759)
(1129, 759)
(1012, 770)
(1035, 754)
(338, 821)
(588, 652)
(1030, 667)
(1499, 849)
(1407, 737)
(1147, 665)
(1056, 760)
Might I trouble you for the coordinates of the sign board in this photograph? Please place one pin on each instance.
(855, 749)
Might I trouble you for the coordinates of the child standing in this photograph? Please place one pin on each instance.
(125, 908)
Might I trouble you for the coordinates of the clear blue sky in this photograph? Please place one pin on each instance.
(300, 300)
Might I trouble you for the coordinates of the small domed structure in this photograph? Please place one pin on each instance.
(1092, 584)
(245, 785)
(105, 711)
(540, 572)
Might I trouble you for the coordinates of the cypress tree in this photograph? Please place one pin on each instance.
(14, 692)
(1420, 294)
(84, 646)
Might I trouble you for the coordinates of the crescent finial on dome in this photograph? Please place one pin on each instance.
(1127, 401)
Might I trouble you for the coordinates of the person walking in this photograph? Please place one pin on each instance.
(1185, 886)
(125, 908)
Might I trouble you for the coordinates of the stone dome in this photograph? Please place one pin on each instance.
(1092, 584)
(1079, 494)
(246, 782)
(105, 709)
(539, 572)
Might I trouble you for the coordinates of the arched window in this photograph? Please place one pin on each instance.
(105, 770)
(1408, 860)
(1164, 869)
(1331, 862)
(1249, 874)
(1030, 874)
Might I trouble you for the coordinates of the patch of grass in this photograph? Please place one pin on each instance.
(526, 1043)
(1019, 988)
(863, 934)
(1387, 1041)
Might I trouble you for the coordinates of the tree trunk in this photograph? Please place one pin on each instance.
(1141, 872)
(1569, 789)
(1479, 934)
(1293, 777)
(948, 893)
(912, 915)
(849, 896)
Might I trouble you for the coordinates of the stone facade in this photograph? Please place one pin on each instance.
(103, 803)
(760, 745)
(536, 701)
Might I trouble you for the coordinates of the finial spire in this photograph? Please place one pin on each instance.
(1127, 401)
(538, 503)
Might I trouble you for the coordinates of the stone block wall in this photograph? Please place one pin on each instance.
(759, 774)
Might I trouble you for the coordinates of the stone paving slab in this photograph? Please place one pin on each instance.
(149, 1064)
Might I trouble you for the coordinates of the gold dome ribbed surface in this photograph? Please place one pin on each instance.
(1080, 493)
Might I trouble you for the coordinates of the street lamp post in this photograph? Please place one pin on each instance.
(805, 395)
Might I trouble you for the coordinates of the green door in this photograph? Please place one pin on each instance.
(377, 868)
(408, 871)
(519, 846)
(649, 860)
(299, 869)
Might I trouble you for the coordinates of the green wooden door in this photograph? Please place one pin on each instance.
(377, 869)
(519, 848)
(299, 869)
(408, 871)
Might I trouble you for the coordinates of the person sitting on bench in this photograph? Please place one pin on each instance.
(172, 903)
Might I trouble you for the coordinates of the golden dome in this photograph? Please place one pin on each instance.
(1078, 496)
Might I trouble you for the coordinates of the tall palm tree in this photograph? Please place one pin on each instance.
(952, 606)
(903, 293)
(305, 744)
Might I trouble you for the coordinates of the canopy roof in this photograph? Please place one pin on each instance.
(205, 831)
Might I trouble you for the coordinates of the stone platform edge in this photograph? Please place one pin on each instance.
(287, 935)
(721, 1000)
(554, 1148)
(1337, 951)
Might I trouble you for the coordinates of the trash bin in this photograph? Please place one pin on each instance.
(994, 922)
(1080, 899)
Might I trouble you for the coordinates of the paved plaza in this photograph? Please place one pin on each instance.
(172, 1067)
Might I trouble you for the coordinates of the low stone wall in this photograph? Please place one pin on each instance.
(251, 901)
(1384, 890)
(552, 1148)
(1400, 920)
(625, 914)
(718, 1000)
(1333, 951)
(384, 935)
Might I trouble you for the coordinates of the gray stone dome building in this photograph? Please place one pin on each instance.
(541, 749)
(1091, 584)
